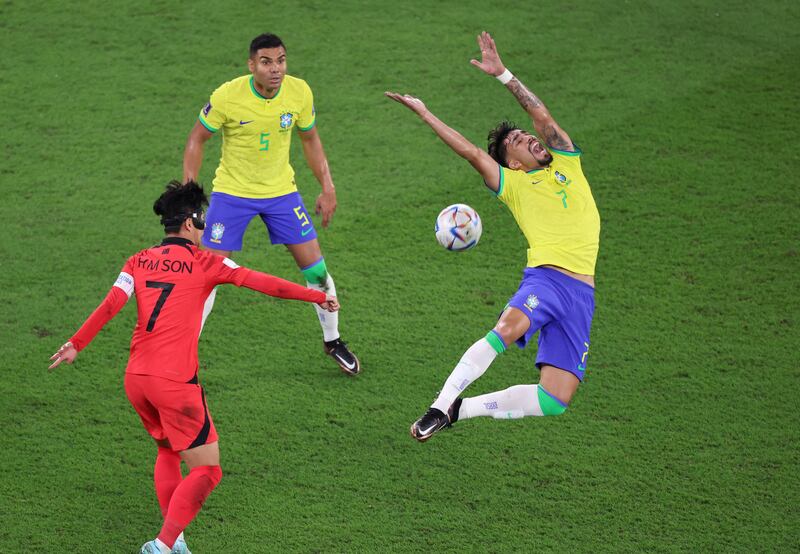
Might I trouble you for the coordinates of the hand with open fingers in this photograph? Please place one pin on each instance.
(414, 104)
(326, 205)
(67, 353)
(490, 60)
(331, 303)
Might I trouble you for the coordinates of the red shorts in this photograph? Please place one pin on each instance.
(171, 410)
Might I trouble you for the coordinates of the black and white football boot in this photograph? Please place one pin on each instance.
(435, 420)
(348, 362)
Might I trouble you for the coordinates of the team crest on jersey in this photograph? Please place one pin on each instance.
(217, 230)
(207, 108)
(562, 178)
(531, 302)
(286, 120)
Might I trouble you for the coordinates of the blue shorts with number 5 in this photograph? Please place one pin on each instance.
(285, 217)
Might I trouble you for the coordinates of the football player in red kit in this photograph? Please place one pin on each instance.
(171, 282)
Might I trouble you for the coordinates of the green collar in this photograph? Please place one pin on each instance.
(261, 96)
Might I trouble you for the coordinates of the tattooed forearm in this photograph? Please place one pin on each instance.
(525, 97)
(556, 140)
(545, 126)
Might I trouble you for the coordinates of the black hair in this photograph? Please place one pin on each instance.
(496, 138)
(178, 203)
(267, 40)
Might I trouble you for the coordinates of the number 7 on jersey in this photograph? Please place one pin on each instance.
(166, 289)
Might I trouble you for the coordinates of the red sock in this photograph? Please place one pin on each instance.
(167, 476)
(187, 500)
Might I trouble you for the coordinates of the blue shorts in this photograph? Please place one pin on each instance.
(285, 217)
(561, 308)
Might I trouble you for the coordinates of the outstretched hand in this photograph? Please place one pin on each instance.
(67, 353)
(490, 60)
(412, 103)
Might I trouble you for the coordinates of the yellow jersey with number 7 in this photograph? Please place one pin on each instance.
(556, 212)
(257, 134)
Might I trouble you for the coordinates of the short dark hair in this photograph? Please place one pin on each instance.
(496, 138)
(178, 202)
(267, 40)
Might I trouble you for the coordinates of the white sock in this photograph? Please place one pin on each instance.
(180, 538)
(328, 320)
(208, 306)
(511, 403)
(163, 547)
(472, 365)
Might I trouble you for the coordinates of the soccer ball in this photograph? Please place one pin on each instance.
(458, 227)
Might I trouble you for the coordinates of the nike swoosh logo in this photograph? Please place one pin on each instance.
(428, 430)
(304, 233)
(245, 122)
(344, 363)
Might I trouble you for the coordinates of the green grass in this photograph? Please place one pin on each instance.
(684, 436)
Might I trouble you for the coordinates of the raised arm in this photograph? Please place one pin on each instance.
(318, 163)
(193, 153)
(546, 127)
(480, 160)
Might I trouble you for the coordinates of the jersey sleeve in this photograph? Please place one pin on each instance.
(507, 191)
(281, 288)
(214, 114)
(116, 298)
(308, 114)
(220, 270)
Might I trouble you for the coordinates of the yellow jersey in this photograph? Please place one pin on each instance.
(257, 134)
(555, 210)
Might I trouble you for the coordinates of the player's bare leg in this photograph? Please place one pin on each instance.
(308, 257)
(189, 496)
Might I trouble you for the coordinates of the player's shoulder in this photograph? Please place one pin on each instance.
(513, 175)
(235, 86)
(296, 84)
(210, 259)
(566, 155)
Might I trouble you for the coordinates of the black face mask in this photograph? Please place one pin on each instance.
(198, 220)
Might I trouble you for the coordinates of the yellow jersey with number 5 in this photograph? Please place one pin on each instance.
(257, 134)
(556, 212)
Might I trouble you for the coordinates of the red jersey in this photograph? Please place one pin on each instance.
(171, 282)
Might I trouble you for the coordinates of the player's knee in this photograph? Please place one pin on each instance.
(550, 405)
(213, 473)
(512, 325)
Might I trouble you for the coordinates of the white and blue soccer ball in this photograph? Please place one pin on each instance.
(458, 227)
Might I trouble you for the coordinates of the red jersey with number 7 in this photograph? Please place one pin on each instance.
(171, 282)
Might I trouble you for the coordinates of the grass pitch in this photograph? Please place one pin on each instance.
(683, 437)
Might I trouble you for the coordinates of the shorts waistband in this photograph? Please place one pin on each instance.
(561, 278)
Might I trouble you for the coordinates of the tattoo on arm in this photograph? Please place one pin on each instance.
(525, 97)
(554, 139)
